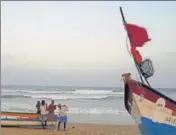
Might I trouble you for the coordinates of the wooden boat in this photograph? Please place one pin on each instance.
(153, 112)
(21, 119)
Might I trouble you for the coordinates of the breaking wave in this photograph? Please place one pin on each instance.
(63, 94)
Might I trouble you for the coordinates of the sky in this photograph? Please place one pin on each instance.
(83, 43)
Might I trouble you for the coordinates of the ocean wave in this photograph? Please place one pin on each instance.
(43, 92)
(70, 94)
(80, 92)
(74, 110)
(66, 97)
(91, 92)
(14, 96)
(63, 97)
(99, 110)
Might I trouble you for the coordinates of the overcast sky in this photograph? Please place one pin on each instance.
(83, 43)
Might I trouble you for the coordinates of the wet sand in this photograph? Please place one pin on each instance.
(76, 129)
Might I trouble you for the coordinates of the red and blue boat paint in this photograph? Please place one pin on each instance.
(153, 112)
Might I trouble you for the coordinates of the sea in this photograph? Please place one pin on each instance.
(99, 105)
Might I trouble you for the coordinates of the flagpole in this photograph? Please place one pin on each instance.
(124, 22)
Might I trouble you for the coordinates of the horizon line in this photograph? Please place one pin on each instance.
(157, 88)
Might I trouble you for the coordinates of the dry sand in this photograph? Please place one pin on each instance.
(77, 129)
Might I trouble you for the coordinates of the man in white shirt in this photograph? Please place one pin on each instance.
(43, 113)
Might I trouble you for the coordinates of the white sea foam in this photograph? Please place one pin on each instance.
(64, 97)
(71, 110)
(81, 92)
(98, 110)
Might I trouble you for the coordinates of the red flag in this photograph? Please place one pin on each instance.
(138, 35)
(136, 55)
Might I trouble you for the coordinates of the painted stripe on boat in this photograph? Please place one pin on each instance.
(148, 127)
(150, 95)
(149, 110)
(24, 123)
(18, 120)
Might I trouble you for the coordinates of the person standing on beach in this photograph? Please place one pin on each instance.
(57, 118)
(43, 113)
(59, 106)
(38, 107)
(52, 108)
(63, 116)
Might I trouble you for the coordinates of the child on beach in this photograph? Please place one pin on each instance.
(59, 106)
(38, 107)
(43, 113)
(62, 116)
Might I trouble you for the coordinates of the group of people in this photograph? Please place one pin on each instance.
(47, 113)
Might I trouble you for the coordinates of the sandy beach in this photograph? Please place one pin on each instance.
(77, 129)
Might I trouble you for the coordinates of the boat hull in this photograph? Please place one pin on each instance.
(152, 111)
(22, 119)
(149, 127)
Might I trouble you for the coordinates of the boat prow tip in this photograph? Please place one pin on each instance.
(126, 77)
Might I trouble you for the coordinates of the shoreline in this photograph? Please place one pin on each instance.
(75, 129)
